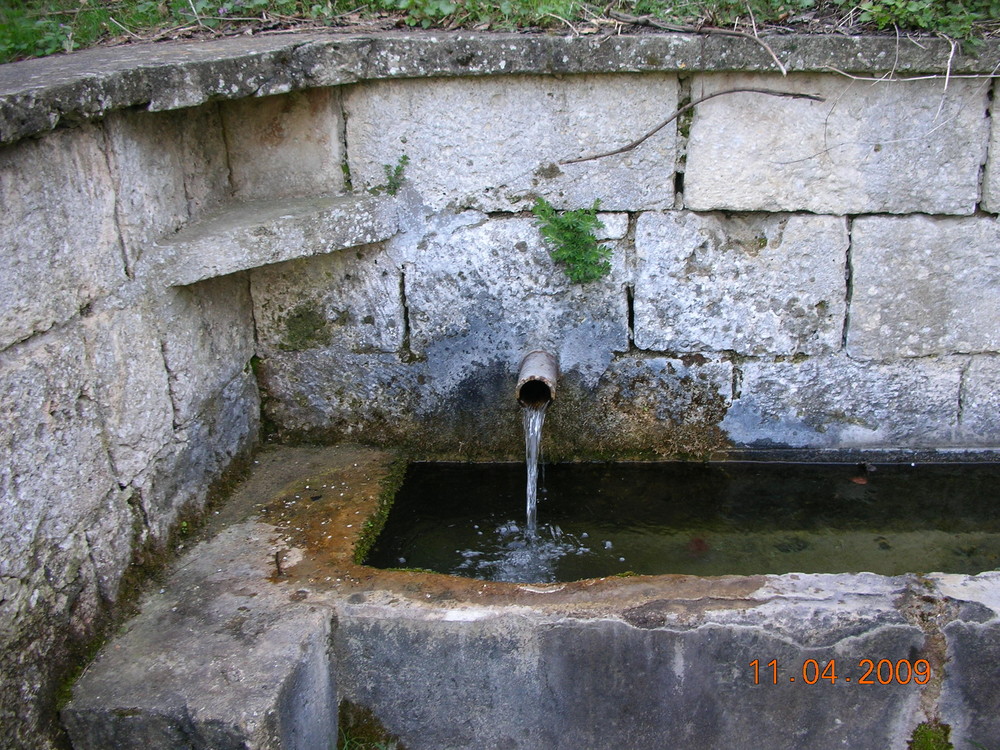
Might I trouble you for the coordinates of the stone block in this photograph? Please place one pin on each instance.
(970, 635)
(61, 249)
(991, 175)
(210, 664)
(350, 301)
(836, 402)
(131, 388)
(285, 145)
(979, 415)
(55, 470)
(887, 147)
(924, 286)
(333, 394)
(169, 167)
(208, 338)
(181, 476)
(753, 284)
(494, 144)
(489, 291)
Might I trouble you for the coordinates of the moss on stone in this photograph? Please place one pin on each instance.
(931, 735)
(391, 483)
(305, 328)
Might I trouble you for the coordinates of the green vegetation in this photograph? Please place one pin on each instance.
(360, 729)
(394, 177)
(573, 243)
(30, 28)
(931, 735)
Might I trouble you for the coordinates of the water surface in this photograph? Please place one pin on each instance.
(699, 519)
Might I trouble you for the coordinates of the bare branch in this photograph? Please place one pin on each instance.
(685, 108)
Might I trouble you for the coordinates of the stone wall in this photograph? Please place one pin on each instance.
(185, 225)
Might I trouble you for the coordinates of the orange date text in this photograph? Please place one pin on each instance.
(867, 672)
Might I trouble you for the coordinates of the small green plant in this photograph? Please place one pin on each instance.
(394, 176)
(572, 241)
(931, 735)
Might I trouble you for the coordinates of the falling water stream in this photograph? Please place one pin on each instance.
(534, 417)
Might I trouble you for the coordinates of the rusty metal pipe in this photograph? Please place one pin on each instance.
(536, 379)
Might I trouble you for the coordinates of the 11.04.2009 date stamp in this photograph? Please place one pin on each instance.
(869, 672)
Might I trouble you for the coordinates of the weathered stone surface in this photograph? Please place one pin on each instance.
(753, 284)
(924, 286)
(331, 394)
(57, 230)
(287, 145)
(257, 233)
(56, 488)
(349, 301)
(991, 175)
(169, 167)
(498, 142)
(969, 697)
(224, 667)
(180, 477)
(130, 387)
(36, 95)
(488, 291)
(979, 418)
(664, 671)
(889, 147)
(208, 338)
(55, 467)
(836, 402)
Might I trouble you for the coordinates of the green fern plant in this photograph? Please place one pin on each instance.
(572, 242)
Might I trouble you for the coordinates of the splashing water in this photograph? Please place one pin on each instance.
(534, 417)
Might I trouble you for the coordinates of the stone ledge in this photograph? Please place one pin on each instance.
(257, 233)
(38, 95)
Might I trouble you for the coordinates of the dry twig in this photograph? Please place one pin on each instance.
(685, 108)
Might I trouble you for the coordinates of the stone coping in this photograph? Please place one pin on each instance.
(42, 94)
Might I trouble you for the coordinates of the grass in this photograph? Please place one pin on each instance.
(30, 28)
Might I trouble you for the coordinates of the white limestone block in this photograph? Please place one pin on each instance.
(752, 284)
(888, 147)
(496, 143)
(924, 286)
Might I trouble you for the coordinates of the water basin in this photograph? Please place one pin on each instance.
(739, 518)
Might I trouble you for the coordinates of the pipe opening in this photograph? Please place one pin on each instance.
(536, 380)
(534, 394)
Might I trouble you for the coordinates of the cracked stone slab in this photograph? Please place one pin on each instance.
(770, 284)
(131, 389)
(924, 286)
(836, 402)
(890, 147)
(495, 145)
(249, 234)
(207, 337)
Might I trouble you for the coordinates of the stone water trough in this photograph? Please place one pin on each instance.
(263, 631)
(329, 239)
